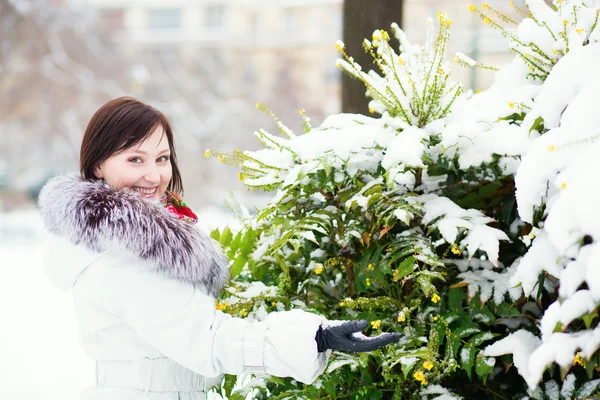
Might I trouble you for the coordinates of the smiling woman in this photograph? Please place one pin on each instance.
(144, 276)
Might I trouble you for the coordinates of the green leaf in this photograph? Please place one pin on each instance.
(426, 285)
(484, 366)
(589, 317)
(248, 242)
(238, 265)
(455, 299)
(489, 189)
(406, 267)
(226, 237)
(216, 235)
(467, 358)
(465, 331)
(481, 338)
(538, 125)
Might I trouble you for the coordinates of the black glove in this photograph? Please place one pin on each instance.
(341, 337)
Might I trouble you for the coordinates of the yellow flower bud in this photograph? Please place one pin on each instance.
(472, 8)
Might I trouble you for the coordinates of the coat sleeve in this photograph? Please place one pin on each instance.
(181, 322)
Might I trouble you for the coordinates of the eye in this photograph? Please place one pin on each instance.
(135, 160)
(163, 159)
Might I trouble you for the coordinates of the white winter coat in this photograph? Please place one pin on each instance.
(146, 316)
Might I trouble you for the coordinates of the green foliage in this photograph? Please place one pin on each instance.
(348, 239)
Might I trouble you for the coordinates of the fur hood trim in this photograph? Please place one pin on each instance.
(92, 214)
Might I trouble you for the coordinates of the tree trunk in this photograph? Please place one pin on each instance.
(360, 20)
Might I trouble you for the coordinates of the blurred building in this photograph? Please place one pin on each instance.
(282, 51)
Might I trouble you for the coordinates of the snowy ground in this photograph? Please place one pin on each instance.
(40, 357)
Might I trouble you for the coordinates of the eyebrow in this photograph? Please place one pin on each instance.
(143, 152)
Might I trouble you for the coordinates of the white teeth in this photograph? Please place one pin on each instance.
(144, 191)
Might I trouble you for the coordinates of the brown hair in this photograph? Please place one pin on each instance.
(118, 125)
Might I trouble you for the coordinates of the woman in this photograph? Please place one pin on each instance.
(144, 277)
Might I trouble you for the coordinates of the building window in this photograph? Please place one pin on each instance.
(214, 16)
(165, 19)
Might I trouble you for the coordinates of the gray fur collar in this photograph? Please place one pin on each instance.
(93, 214)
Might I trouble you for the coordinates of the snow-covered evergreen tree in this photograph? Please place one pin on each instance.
(466, 221)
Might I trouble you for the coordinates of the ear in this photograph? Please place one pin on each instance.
(98, 172)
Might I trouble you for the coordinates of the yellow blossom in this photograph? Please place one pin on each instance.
(221, 306)
(478, 91)
(448, 22)
(530, 68)
(220, 159)
(578, 360)
(241, 177)
(580, 30)
(257, 105)
(376, 324)
(243, 313)
(401, 318)
(342, 303)
(207, 153)
(486, 20)
(485, 6)
(551, 147)
(472, 8)
(339, 46)
(428, 365)
(554, 51)
(511, 3)
(343, 267)
(368, 282)
(554, 60)
(318, 270)
(371, 110)
(273, 304)
(563, 185)
(338, 64)
(456, 59)
(371, 267)
(455, 249)
(424, 382)
(511, 105)
(565, 22)
(436, 317)
(419, 376)
(435, 298)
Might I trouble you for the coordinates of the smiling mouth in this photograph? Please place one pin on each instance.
(145, 191)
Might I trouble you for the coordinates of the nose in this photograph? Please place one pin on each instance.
(152, 175)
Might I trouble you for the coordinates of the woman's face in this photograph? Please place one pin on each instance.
(144, 167)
